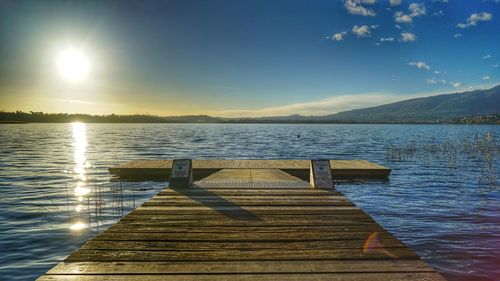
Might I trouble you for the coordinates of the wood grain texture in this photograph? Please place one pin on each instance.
(146, 169)
(234, 233)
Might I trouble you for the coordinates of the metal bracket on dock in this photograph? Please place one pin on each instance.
(321, 174)
(181, 175)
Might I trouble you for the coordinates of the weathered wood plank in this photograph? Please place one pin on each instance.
(204, 168)
(232, 229)
(247, 192)
(245, 234)
(217, 267)
(216, 246)
(243, 204)
(383, 276)
(240, 236)
(240, 254)
(262, 209)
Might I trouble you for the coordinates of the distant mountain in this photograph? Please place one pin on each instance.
(474, 107)
(428, 109)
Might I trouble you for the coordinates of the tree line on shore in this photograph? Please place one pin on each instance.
(41, 117)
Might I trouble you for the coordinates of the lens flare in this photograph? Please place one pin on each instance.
(372, 245)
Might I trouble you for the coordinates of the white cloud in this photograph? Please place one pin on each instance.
(356, 7)
(361, 31)
(486, 77)
(420, 64)
(408, 37)
(402, 18)
(417, 10)
(337, 36)
(439, 13)
(398, 26)
(473, 19)
(436, 72)
(333, 104)
(458, 35)
(387, 39)
(395, 2)
(495, 65)
(442, 1)
(321, 107)
(433, 81)
(487, 56)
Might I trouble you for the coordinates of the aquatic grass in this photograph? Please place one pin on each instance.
(104, 202)
(481, 150)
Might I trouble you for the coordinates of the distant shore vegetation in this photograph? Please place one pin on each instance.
(17, 117)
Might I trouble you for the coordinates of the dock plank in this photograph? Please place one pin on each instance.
(235, 233)
(202, 168)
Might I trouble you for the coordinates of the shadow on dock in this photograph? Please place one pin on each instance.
(217, 203)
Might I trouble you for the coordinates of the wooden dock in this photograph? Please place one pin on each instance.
(153, 169)
(245, 224)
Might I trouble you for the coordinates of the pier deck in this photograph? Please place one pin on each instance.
(145, 169)
(245, 224)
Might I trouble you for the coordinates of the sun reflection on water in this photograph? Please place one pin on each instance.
(79, 132)
(80, 147)
(78, 226)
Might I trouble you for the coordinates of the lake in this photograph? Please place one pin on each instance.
(57, 193)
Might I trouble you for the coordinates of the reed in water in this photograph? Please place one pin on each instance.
(482, 150)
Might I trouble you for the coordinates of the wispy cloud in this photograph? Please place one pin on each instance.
(414, 10)
(337, 36)
(439, 13)
(420, 64)
(357, 7)
(400, 17)
(363, 30)
(486, 77)
(433, 81)
(395, 2)
(408, 37)
(495, 65)
(487, 56)
(322, 107)
(387, 39)
(417, 10)
(336, 104)
(457, 35)
(473, 19)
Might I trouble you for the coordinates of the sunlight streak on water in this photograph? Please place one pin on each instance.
(80, 147)
(78, 226)
(79, 131)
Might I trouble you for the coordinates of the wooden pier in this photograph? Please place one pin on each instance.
(245, 224)
(153, 169)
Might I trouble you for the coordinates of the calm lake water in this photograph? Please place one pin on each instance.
(56, 192)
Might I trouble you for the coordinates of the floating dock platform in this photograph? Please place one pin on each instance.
(158, 169)
(257, 223)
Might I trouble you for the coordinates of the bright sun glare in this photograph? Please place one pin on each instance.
(73, 64)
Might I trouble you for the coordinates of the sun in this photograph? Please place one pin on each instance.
(73, 64)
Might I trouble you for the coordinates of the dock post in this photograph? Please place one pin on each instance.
(320, 174)
(181, 175)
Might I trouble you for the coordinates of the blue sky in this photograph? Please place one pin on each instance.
(244, 58)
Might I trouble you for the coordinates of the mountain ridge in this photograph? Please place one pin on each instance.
(477, 106)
